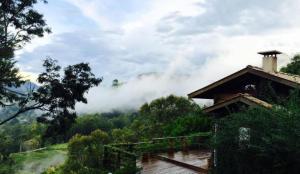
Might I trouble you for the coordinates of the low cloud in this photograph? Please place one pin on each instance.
(186, 44)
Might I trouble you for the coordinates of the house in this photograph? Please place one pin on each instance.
(248, 87)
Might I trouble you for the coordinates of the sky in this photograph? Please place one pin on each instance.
(160, 47)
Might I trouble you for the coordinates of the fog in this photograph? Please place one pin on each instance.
(39, 166)
(180, 78)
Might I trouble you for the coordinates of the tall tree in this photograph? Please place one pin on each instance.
(19, 23)
(57, 95)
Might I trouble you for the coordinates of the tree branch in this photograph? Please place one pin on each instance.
(22, 110)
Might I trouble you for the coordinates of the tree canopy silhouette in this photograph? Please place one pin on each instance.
(57, 95)
(19, 23)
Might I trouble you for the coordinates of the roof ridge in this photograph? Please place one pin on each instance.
(277, 72)
(289, 74)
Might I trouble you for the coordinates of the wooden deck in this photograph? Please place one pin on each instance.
(190, 162)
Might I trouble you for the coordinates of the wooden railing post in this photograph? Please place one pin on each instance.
(184, 144)
(171, 145)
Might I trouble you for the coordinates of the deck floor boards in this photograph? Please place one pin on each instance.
(156, 166)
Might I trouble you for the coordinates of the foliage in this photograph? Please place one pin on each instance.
(155, 118)
(293, 67)
(36, 161)
(270, 146)
(53, 170)
(124, 135)
(166, 109)
(193, 123)
(19, 23)
(9, 79)
(13, 137)
(85, 124)
(85, 153)
(57, 96)
(7, 167)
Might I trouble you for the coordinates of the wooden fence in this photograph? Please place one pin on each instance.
(119, 155)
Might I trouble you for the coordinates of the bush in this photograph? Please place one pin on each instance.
(85, 153)
(124, 135)
(157, 116)
(6, 166)
(53, 170)
(193, 123)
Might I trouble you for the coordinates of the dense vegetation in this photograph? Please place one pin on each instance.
(166, 116)
(260, 140)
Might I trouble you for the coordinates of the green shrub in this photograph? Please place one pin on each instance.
(85, 153)
(6, 166)
(171, 115)
(124, 135)
(193, 123)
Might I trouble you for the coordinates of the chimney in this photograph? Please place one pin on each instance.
(269, 63)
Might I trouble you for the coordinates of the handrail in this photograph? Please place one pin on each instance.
(114, 154)
(205, 134)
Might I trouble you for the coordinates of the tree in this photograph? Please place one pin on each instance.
(293, 67)
(19, 24)
(57, 95)
(116, 83)
(166, 109)
(86, 153)
(162, 111)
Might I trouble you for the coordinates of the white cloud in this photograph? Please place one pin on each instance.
(190, 43)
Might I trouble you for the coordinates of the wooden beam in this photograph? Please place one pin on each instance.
(182, 164)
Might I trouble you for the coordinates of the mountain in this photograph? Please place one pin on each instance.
(8, 111)
(27, 86)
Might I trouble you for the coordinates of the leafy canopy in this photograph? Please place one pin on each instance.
(293, 67)
(58, 95)
(19, 23)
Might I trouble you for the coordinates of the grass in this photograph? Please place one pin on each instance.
(34, 162)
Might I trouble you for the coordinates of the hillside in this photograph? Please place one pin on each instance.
(35, 162)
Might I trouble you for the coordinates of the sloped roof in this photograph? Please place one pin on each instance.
(289, 80)
(240, 97)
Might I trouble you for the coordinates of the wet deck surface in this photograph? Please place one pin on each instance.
(153, 165)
